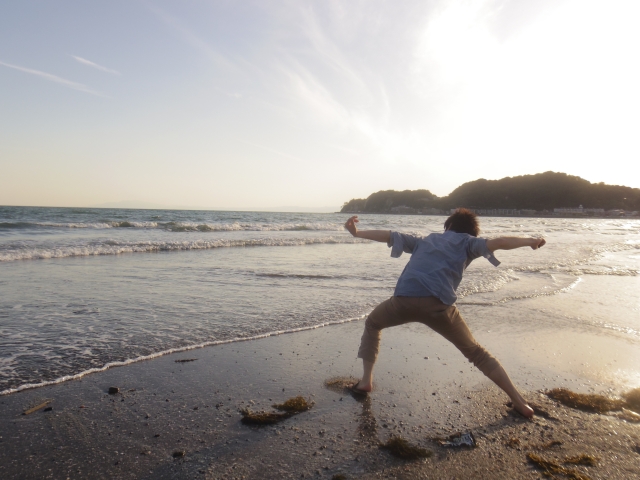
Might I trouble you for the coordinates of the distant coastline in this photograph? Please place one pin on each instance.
(443, 213)
(549, 194)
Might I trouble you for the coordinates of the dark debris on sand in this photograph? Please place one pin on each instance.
(548, 445)
(340, 384)
(584, 459)
(294, 405)
(401, 448)
(633, 399)
(588, 402)
(262, 418)
(40, 405)
(550, 468)
(291, 407)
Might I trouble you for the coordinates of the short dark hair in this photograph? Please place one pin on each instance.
(463, 221)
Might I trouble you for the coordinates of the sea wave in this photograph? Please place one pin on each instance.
(173, 350)
(485, 283)
(538, 294)
(67, 225)
(250, 226)
(300, 276)
(116, 247)
(524, 296)
(610, 271)
(179, 226)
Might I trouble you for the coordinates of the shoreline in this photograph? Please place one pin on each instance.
(166, 407)
(130, 361)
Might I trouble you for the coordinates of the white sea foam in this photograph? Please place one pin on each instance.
(250, 227)
(485, 283)
(116, 247)
(545, 292)
(537, 294)
(173, 350)
(182, 226)
(26, 251)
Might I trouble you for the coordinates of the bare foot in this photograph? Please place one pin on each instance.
(361, 387)
(523, 409)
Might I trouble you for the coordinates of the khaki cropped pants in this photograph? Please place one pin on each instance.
(444, 319)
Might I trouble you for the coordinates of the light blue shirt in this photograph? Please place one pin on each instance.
(437, 263)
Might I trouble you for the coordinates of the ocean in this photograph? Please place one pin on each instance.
(84, 289)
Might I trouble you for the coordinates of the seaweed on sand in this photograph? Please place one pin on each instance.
(291, 407)
(584, 459)
(401, 448)
(339, 384)
(632, 398)
(550, 468)
(262, 418)
(513, 442)
(585, 401)
(551, 444)
(294, 405)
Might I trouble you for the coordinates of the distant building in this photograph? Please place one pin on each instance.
(497, 211)
(500, 212)
(432, 211)
(615, 213)
(572, 211)
(403, 209)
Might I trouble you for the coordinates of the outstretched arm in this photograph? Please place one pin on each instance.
(375, 235)
(509, 243)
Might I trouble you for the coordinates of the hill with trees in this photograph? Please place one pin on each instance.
(542, 191)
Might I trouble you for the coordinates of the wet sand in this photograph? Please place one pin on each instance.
(166, 407)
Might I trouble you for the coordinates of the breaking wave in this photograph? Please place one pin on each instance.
(180, 226)
(114, 247)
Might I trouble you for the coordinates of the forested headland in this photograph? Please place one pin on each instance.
(542, 192)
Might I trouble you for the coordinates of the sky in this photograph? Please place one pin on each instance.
(307, 104)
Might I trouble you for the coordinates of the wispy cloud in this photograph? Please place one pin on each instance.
(84, 61)
(354, 100)
(54, 78)
(190, 38)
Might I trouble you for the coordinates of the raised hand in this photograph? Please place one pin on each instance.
(351, 225)
(537, 243)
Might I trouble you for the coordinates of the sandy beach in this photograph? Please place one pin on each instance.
(175, 419)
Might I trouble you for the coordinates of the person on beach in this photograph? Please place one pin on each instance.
(426, 293)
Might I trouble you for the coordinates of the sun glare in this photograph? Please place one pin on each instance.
(565, 85)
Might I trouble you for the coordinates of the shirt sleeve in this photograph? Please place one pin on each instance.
(478, 248)
(401, 242)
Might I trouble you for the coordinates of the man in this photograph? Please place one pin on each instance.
(425, 293)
